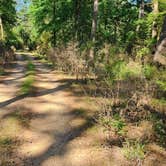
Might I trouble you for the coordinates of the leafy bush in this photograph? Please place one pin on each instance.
(120, 70)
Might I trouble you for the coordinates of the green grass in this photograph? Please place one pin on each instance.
(134, 150)
(159, 102)
(5, 141)
(27, 85)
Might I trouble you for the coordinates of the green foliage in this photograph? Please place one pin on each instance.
(162, 5)
(149, 71)
(134, 150)
(27, 85)
(115, 123)
(121, 70)
(160, 130)
(161, 84)
(143, 52)
(159, 127)
(44, 42)
(30, 68)
(8, 15)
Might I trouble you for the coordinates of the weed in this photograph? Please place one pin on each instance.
(27, 85)
(30, 66)
(134, 150)
(121, 70)
(149, 71)
(115, 123)
(5, 141)
(161, 84)
(160, 132)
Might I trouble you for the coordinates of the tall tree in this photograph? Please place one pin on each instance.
(94, 28)
(1, 29)
(141, 9)
(155, 12)
(8, 16)
(160, 55)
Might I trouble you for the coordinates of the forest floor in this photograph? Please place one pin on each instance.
(51, 126)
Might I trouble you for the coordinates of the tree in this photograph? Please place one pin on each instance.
(160, 55)
(155, 12)
(141, 9)
(94, 28)
(8, 17)
(1, 29)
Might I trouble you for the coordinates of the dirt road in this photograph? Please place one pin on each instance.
(55, 135)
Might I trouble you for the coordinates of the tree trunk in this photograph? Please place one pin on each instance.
(155, 12)
(142, 9)
(141, 12)
(1, 29)
(77, 10)
(54, 30)
(93, 30)
(160, 55)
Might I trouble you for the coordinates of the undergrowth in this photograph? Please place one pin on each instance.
(134, 150)
(127, 94)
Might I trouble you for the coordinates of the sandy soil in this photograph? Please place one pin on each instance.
(57, 133)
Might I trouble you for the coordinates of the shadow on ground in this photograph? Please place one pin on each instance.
(60, 146)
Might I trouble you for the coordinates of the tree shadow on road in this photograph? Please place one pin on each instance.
(40, 93)
(59, 147)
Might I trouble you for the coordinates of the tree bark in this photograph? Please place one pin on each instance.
(1, 29)
(155, 12)
(142, 9)
(141, 12)
(160, 55)
(77, 10)
(94, 28)
(54, 30)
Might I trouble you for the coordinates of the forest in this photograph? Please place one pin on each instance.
(82, 83)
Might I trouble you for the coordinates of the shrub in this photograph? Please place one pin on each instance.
(120, 70)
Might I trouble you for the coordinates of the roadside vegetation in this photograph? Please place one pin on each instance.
(116, 52)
